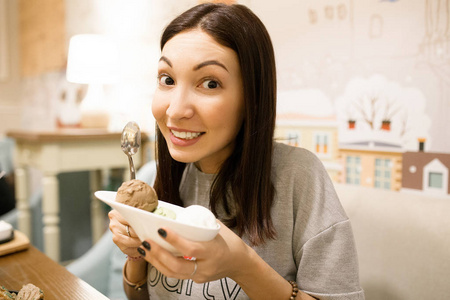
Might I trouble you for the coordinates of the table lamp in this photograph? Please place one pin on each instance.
(93, 60)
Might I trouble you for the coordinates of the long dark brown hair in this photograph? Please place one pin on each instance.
(247, 172)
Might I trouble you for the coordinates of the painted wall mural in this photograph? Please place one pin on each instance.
(366, 86)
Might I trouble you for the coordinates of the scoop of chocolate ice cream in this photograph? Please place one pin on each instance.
(138, 194)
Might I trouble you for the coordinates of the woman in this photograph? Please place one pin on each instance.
(281, 222)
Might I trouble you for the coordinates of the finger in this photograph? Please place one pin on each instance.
(168, 264)
(121, 225)
(118, 228)
(133, 233)
(127, 245)
(114, 214)
(123, 240)
(185, 247)
(122, 237)
(129, 232)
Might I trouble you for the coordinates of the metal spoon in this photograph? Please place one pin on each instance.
(130, 143)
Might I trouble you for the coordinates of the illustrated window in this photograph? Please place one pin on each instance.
(322, 143)
(353, 170)
(382, 173)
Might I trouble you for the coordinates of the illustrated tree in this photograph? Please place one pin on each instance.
(373, 108)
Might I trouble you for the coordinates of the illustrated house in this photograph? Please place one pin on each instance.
(316, 134)
(427, 172)
(372, 160)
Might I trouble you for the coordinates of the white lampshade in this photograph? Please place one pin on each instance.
(92, 59)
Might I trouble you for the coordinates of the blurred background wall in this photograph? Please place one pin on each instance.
(323, 45)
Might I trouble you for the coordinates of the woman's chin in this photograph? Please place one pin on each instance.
(182, 156)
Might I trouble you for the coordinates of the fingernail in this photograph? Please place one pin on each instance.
(141, 251)
(146, 245)
(162, 232)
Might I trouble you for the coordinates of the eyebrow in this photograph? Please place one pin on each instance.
(166, 60)
(210, 63)
(199, 66)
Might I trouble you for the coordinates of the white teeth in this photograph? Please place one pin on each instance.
(185, 135)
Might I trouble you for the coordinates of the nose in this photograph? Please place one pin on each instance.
(180, 105)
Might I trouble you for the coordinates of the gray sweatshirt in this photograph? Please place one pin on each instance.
(314, 243)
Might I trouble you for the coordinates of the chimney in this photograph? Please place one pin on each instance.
(386, 125)
(351, 124)
(421, 144)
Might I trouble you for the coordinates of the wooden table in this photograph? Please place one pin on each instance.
(64, 150)
(32, 266)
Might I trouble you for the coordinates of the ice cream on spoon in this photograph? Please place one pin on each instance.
(135, 192)
(138, 194)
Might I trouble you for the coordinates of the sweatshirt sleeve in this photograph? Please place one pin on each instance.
(328, 265)
(323, 244)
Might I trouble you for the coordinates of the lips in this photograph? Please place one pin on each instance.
(184, 138)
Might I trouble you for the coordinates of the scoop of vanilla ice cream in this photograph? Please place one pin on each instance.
(197, 215)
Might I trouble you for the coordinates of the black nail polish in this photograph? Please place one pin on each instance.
(141, 251)
(146, 245)
(162, 232)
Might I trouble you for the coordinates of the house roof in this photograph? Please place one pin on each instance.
(371, 145)
(378, 140)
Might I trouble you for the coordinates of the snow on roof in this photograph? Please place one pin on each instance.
(305, 107)
(292, 119)
(312, 102)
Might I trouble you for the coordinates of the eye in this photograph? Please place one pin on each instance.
(210, 84)
(164, 79)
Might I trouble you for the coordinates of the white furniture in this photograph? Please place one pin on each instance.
(64, 150)
(402, 239)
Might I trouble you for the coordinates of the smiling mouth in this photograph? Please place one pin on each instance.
(186, 135)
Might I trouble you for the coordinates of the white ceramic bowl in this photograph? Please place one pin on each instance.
(146, 224)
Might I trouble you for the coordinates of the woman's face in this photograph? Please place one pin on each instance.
(199, 103)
